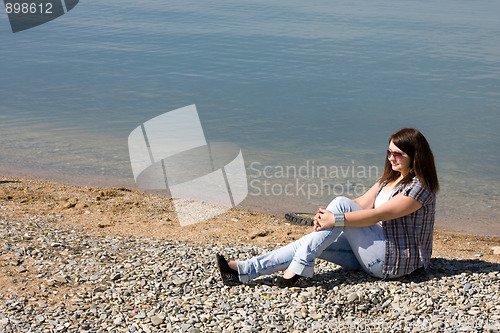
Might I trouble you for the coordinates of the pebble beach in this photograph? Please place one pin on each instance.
(89, 259)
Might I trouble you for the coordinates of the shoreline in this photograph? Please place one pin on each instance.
(125, 212)
(454, 212)
(447, 219)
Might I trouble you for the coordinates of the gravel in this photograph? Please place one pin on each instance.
(63, 280)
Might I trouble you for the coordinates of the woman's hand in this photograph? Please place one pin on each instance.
(323, 219)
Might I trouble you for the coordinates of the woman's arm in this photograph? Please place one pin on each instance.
(398, 206)
(367, 200)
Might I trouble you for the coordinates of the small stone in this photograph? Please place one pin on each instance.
(40, 318)
(156, 320)
(81, 205)
(185, 327)
(262, 233)
(363, 307)
(98, 290)
(315, 315)
(420, 291)
(474, 311)
(140, 315)
(118, 320)
(116, 276)
(386, 303)
(21, 269)
(352, 297)
(145, 328)
(59, 278)
(178, 281)
(68, 205)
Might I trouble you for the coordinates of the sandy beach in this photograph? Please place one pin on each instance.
(124, 212)
(32, 209)
(103, 211)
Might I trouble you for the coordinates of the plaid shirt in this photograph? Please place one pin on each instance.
(409, 238)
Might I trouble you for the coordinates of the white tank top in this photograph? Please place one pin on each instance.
(382, 197)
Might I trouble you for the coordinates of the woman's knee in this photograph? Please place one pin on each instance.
(342, 205)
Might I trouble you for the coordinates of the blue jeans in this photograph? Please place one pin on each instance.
(350, 247)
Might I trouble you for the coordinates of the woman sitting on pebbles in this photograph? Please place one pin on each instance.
(386, 232)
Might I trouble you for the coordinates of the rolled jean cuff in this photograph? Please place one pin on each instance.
(300, 269)
(376, 268)
(243, 272)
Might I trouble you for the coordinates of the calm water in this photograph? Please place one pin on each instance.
(294, 84)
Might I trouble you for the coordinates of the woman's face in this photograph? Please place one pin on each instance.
(399, 160)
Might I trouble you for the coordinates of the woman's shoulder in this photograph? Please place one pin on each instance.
(415, 182)
(416, 189)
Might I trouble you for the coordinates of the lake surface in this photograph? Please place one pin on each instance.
(298, 86)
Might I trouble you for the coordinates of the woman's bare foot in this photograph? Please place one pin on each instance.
(288, 274)
(233, 265)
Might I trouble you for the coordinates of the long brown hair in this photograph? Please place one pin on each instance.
(414, 144)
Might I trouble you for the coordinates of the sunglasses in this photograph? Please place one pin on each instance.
(397, 155)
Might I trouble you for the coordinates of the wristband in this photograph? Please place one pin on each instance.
(339, 220)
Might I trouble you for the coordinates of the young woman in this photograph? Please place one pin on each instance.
(387, 232)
